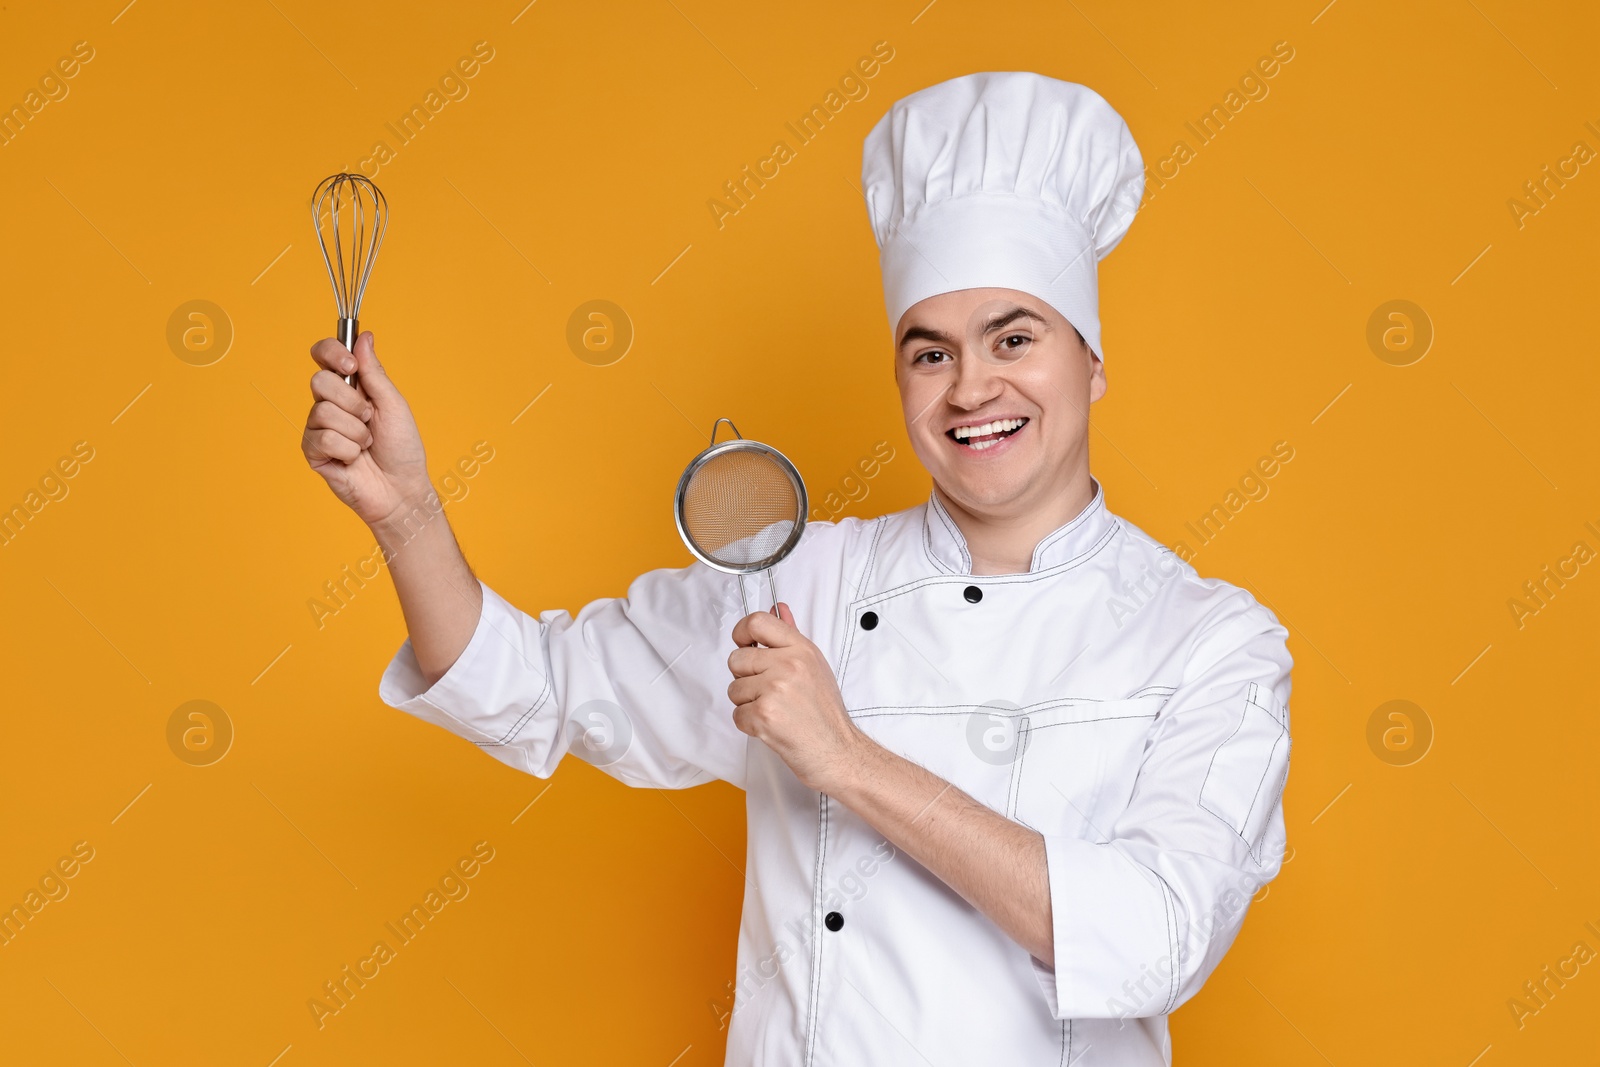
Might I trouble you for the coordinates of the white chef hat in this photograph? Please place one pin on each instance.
(1002, 179)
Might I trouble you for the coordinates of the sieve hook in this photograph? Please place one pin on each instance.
(731, 426)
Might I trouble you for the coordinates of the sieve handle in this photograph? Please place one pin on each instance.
(744, 601)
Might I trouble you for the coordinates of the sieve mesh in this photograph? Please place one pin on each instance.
(740, 507)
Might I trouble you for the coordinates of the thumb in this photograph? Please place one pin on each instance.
(786, 613)
(373, 377)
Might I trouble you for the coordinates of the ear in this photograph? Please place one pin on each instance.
(1097, 376)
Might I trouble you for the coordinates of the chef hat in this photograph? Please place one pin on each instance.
(1002, 179)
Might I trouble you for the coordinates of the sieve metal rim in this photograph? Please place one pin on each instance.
(740, 444)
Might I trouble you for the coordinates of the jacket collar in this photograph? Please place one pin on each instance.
(948, 548)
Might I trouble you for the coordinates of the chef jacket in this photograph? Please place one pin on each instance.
(1132, 712)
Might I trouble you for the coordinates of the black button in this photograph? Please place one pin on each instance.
(973, 594)
(833, 921)
(869, 620)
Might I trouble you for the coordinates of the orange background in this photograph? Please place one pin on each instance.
(179, 565)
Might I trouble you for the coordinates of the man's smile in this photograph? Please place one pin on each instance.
(979, 437)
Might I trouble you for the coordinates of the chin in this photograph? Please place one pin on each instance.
(987, 492)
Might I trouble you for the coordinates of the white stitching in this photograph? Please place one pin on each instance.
(850, 607)
(816, 933)
(1253, 849)
(992, 579)
(952, 530)
(1096, 504)
(1067, 703)
(1014, 791)
(1169, 906)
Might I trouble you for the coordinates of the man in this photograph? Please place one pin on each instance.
(1013, 771)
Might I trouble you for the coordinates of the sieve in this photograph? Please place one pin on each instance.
(740, 508)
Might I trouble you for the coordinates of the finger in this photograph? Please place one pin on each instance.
(331, 355)
(744, 690)
(747, 661)
(374, 379)
(767, 629)
(327, 385)
(786, 613)
(320, 445)
(326, 415)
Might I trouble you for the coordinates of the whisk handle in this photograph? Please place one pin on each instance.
(349, 330)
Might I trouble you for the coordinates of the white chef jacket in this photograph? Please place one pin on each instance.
(1132, 712)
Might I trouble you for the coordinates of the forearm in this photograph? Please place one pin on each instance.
(996, 865)
(439, 595)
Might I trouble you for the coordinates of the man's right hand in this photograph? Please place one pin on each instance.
(365, 444)
(362, 438)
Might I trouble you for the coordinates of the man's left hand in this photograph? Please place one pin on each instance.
(785, 694)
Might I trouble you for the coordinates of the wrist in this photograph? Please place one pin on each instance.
(418, 511)
(859, 755)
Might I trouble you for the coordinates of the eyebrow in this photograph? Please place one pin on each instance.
(927, 333)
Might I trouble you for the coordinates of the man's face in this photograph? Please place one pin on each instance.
(976, 357)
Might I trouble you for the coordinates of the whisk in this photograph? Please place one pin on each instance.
(350, 215)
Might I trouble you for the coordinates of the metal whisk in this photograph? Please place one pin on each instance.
(350, 215)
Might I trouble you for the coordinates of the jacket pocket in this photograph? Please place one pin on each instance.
(1077, 763)
(1248, 771)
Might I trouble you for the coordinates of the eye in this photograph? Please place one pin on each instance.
(930, 356)
(1023, 339)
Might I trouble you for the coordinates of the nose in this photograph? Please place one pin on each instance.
(977, 381)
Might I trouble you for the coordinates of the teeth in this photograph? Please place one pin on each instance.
(998, 426)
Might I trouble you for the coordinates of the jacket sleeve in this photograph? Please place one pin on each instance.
(1142, 919)
(636, 685)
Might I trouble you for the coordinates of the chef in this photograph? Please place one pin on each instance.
(1013, 771)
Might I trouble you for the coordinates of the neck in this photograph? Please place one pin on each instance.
(1004, 543)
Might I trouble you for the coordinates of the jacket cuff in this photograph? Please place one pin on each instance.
(1114, 929)
(493, 688)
